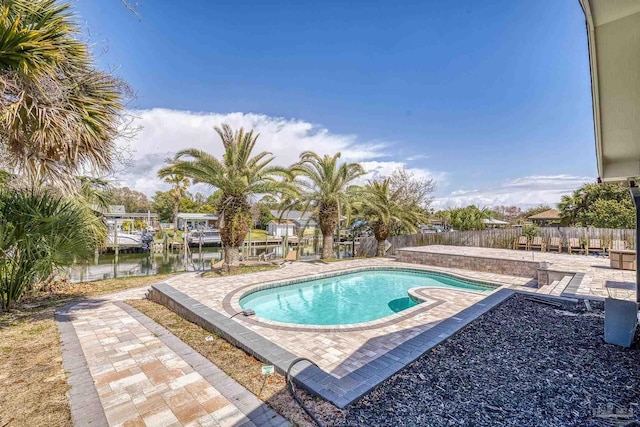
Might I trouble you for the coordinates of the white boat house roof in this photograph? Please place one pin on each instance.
(613, 32)
(197, 216)
(119, 212)
(111, 209)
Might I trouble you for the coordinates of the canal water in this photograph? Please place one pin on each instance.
(104, 266)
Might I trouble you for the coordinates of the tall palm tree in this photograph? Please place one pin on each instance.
(58, 113)
(324, 183)
(178, 190)
(240, 176)
(380, 206)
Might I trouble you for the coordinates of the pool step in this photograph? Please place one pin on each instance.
(560, 287)
(546, 289)
(556, 287)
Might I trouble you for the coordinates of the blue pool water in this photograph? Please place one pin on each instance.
(345, 299)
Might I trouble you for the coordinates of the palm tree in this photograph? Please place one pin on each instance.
(40, 232)
(239, 176)
(58, 114)
(380, 205)
(324, 183)
(94, 192)
(178, 189)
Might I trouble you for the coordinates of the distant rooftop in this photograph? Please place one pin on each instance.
(299, 218)
(551, 214)
(292, 215)
(286, 222)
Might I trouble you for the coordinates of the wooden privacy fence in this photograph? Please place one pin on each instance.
(497, 238)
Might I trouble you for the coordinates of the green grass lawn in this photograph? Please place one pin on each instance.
(243, 269)
(257, 234)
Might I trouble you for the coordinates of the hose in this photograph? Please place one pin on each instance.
(293, 393)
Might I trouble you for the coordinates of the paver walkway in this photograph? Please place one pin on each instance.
(125, 370)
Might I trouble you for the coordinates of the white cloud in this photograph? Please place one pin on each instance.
(164, 132)
(416, 157)
(525, 192)
(378, 169)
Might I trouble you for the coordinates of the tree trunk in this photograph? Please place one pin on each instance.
(233, 231)
(327, 246)
(231, 258)
(176, 208)
(299, 248)
(328, 218)
(381, 232)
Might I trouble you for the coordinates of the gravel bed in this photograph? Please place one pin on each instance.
(522, 364)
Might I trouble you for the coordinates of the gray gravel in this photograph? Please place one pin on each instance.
(522, 364)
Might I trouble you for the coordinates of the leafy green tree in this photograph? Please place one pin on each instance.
(263, 215)
(39, 233)
(610, 214)
(239, 175)
(382, 207)
(270, 201)
(58, 113)
(206, 208)
(531, 230)
(467, 218)
(214, 198)
(598, 205)
(163, 203)
(324, 183)
(132, 200)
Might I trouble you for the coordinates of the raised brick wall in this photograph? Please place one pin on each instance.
(489, 265)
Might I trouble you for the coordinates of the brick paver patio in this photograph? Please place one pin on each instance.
(599, 279)
(338, 352)
(144, 376)
(341, 352)
(127, 370)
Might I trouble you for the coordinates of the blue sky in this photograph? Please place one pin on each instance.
(492, 99)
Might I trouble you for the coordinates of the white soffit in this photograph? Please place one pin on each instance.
(613, 31)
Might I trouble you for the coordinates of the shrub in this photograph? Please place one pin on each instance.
(531, 231)
(39, 233)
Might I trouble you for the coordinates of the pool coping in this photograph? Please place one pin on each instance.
(231, 301)
(339, 391)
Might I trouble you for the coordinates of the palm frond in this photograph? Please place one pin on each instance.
(58, 114)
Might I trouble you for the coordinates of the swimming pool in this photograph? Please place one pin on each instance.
(348, 298)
